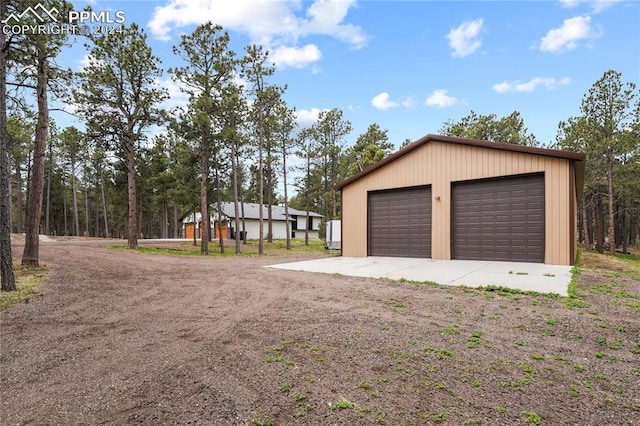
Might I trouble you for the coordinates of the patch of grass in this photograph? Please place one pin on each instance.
(548, 332)
(602, 355)
(266, 422)
(419, 283)
(381, 416)
(277, 247)
(28, 281)
(573, 391)
(527, 369)
(342, 404)
(445, 353)
(452, 329)
(537, 357)
(438, 417)
(364, 385)
(396, 303)
(532, 419)
(286, 387)
(475, 340)
(574, 297)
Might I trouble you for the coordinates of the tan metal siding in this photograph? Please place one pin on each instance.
(438, 164)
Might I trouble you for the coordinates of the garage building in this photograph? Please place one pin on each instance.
(453, 198)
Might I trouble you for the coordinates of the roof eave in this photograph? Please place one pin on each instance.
(461, 141)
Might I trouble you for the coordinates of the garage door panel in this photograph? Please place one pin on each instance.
(400, 222)
(499, 219)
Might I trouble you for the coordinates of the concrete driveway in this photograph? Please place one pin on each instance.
(471, 273)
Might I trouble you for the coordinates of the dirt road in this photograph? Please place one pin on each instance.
(121, 337)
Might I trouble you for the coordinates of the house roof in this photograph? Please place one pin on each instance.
(252, 211)
(574, 156)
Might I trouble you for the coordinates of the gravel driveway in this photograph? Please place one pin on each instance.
(121, 337)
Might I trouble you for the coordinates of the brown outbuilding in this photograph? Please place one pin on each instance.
(452, 198)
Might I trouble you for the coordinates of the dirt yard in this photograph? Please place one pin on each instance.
(119, 337)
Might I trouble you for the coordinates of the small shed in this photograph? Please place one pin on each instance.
(454, 198)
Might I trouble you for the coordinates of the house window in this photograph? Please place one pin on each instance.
(310, 224)
(294, 223)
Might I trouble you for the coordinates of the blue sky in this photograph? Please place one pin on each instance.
(412, 65)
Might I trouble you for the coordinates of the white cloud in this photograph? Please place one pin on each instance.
(296, 57)
(440, 99)
(597, 6)
(569, 3)
(84, 62)
(177, 99)
(382, 102)
(464, 39)
(306, 117)
(326, 17)
(567, 36)
(530, 86)
(267, 22)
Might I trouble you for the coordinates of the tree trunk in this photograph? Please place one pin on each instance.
(611, 232)
(31, 254)
(261, 185)
(104, 206)
(74, 197)
(86, 200)
(269, 195)
(165, 218)
(132, 226)
(287, 223)
(234, 177)
(585, 223)
(64, 208)
(19, 200)
(306, 200)
(6, 257)
(241, 195)
(141, 217)
(204, 208)
(624, 228)
(599, 230)
(47, 230)
(219, 211)
(175, 220)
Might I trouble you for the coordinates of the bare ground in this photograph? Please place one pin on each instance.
(120, 337)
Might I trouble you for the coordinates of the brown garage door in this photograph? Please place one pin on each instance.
(400, 222)
(499, 219)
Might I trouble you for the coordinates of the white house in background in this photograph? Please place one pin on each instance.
(297, 220)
